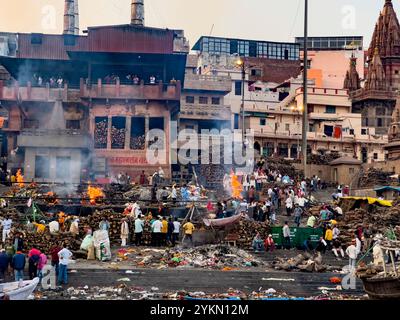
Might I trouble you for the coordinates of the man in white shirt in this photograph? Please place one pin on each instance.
(6, 225)
(157, 225)
(358, 245)
(352, 252)
(175, 233)
(286, 236)
(139, 224)
(64, 259)
(54, 227)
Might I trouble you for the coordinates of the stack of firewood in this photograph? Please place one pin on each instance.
(246, 230)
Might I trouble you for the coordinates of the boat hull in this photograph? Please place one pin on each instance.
(382, 288)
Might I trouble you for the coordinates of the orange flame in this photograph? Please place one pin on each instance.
(237, 187)
(94, 194)
(20, 179)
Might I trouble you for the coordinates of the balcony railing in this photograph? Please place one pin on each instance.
(159, 91)
(43, 138)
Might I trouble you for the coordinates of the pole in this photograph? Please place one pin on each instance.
(305, 111)
(242, 107)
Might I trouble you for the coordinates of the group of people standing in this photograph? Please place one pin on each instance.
(13, 261)
(165, 231)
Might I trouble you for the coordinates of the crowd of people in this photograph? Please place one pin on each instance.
(14, 258)
(53, 81)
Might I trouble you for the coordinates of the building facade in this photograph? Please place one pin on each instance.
(81, 106)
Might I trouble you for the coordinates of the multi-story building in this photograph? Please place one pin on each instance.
(332, 126)
(203, 113)
(328, 59)
(85, 103)
(267, 64)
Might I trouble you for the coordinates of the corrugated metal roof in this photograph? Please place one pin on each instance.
(116, 39)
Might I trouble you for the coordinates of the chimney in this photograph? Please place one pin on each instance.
(76, 18)
(137, 12)
(69, 17)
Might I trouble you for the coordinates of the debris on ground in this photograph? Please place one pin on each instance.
(302, 262)
(125, 292)
(220, 257)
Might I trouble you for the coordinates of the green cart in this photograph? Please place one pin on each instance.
(297, 236)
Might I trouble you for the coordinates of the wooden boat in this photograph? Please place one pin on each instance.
(382, 288)
(18, 290)
(387, 285)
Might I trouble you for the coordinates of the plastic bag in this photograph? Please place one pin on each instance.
(87, 242)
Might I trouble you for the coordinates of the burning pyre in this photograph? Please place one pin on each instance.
(237, 187)
(94, 194)
(20, 178)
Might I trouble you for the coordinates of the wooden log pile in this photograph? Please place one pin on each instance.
(323, 159)
(246, 230)
(374, 177)
(380, 219)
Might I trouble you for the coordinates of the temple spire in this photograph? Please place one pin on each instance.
(376, 79)
(352, 80)
(386, 36)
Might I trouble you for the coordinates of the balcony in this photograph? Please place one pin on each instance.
(42, 138)
(206, 112)
(99, 90)
(208, 83)
(141, 91)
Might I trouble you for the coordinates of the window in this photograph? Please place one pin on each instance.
(137, 133)
(396, 71)
(256, 72)
(73, 124)
(263, 122)
(287, 126)
(236, 121)
(330, 109)
(238, 88)
(42, 167)
(157, 123)
(189, 99)
(203, 100)
(215, 100)
(118, 132)
(189, 127)
(352, 132)
(379, 122)
(364, 132)
(100, 132)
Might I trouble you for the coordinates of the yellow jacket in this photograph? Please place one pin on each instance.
(164, 228)
(329, 235)
(188, 227)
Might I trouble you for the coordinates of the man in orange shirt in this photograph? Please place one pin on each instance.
(188, 228)
(164, 230)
